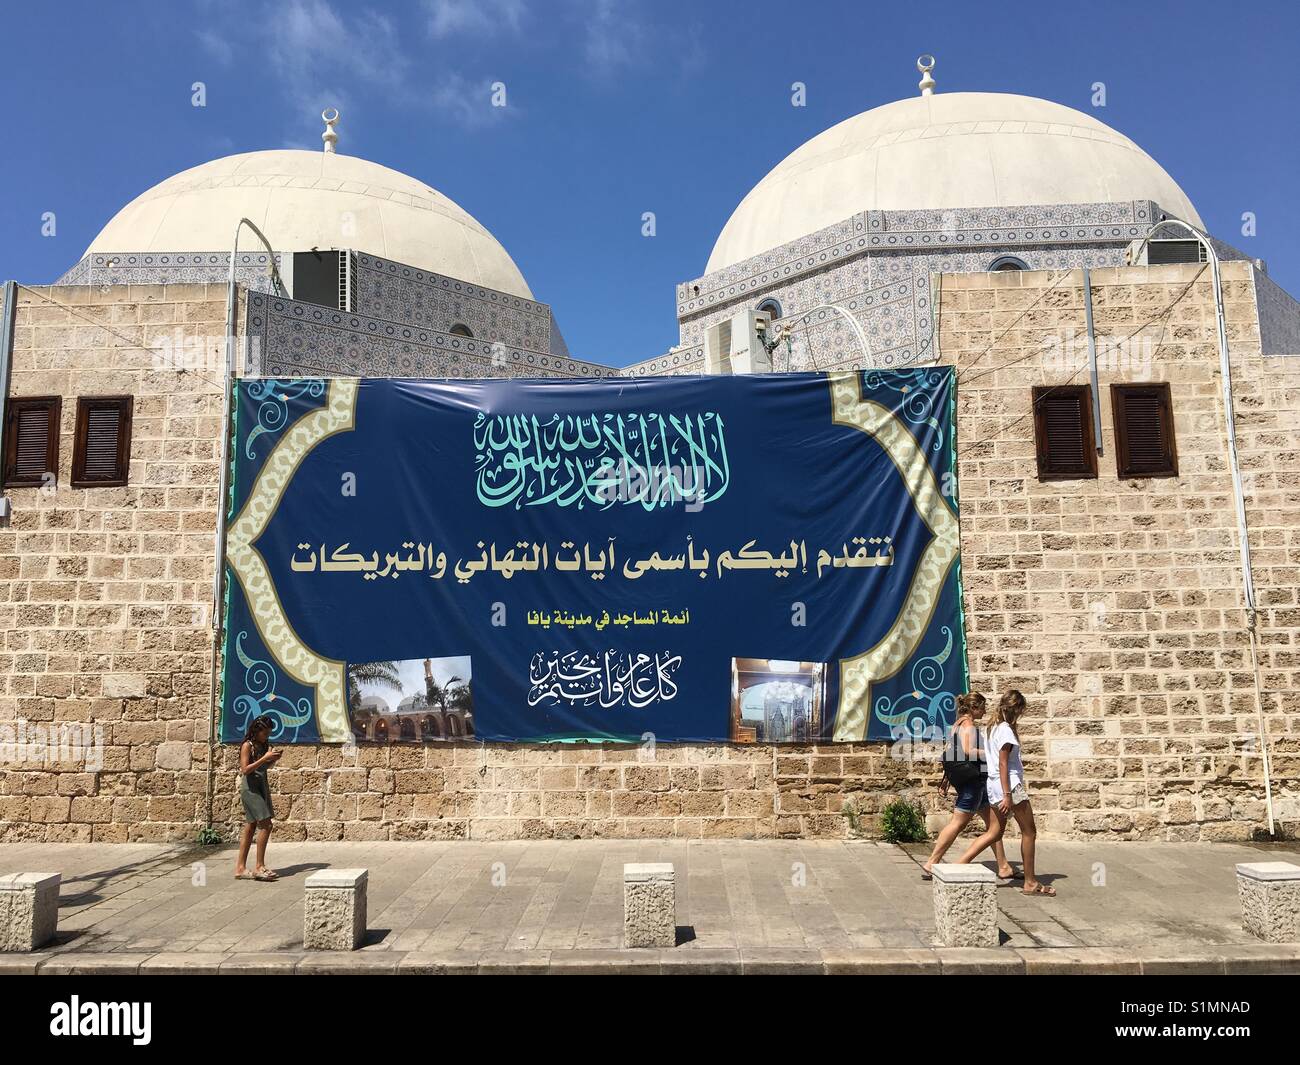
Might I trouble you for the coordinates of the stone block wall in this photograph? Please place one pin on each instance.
(1115, 606)
(105, 593)
(567, 791)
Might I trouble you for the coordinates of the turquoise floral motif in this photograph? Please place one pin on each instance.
(273, 398)
(917, 390)
(259, 698)
(928, 700)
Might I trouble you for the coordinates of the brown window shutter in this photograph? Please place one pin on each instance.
(31, 441)
(1144, 431)
(102, 453)
(1063, 433)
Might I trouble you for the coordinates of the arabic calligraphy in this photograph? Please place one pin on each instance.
(614, 678)
(563, 619)
(653, 459)
(526, 557)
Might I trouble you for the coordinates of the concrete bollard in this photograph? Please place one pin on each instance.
(29, 910)
(649, 905)
(965, 905)
(1270, 900)
(334, 913)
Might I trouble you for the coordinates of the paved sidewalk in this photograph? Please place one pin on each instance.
(742, 906)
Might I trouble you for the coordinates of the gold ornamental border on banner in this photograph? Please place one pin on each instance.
(887, 657)
(325, 675)
(857, 675)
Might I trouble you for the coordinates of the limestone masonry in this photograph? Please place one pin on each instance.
(1029, 246)
(1115, 605)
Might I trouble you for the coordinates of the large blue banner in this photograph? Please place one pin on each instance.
(769, 558)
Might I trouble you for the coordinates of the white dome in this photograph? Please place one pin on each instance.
(303, 200)
(950, 150)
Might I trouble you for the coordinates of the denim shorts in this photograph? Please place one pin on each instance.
(971, 797)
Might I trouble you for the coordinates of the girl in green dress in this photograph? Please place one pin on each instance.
(255, 757)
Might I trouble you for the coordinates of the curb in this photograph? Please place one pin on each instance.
(1225, 960)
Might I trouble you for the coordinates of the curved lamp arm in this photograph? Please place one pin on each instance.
(223, 488)
(854, 324)
(276, 280)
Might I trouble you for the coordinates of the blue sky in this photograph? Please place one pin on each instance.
(614, 108)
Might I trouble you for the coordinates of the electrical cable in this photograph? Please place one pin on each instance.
(1164, 314)
(134, 344)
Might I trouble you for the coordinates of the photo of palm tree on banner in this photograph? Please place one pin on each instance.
(417, 700)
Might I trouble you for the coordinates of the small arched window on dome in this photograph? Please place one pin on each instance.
(461, 330)
(770, 306)
(1008, 262)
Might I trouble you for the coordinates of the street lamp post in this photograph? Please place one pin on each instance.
(223, 484)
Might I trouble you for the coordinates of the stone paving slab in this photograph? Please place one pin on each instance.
(743, 906)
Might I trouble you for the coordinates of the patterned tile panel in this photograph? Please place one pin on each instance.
(1279, 317)
(1007, 228)
(396, 292)
(680, 360)
(172, 268)
(289, 337)
(890, 296)
(878, 266)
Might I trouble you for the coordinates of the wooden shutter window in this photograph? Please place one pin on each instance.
(31, 441)
(1144, 431)
(102, 452)
(1063, 433)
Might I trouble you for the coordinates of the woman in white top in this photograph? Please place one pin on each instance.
(1006, 791)
(965, 770)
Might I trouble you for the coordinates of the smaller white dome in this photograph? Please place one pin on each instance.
(303, 200)
(948, 151)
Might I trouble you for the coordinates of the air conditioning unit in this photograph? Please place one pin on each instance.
(1165, 251)
(327, 278)
(736, 344)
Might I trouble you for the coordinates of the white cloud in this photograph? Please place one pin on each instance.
(322, 58)
(327, 53)
(465, 102)
(612, 34)
(311, 42)
(216, 46)
(448, 18)
(323, 54)
(618, 35)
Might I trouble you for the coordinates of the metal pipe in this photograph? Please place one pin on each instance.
(6, 358)
(223, 493)
(1092, 360)
(1238, 493)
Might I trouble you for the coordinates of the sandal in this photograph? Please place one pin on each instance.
(245, 875)
(266, 876)
(1041, 889)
